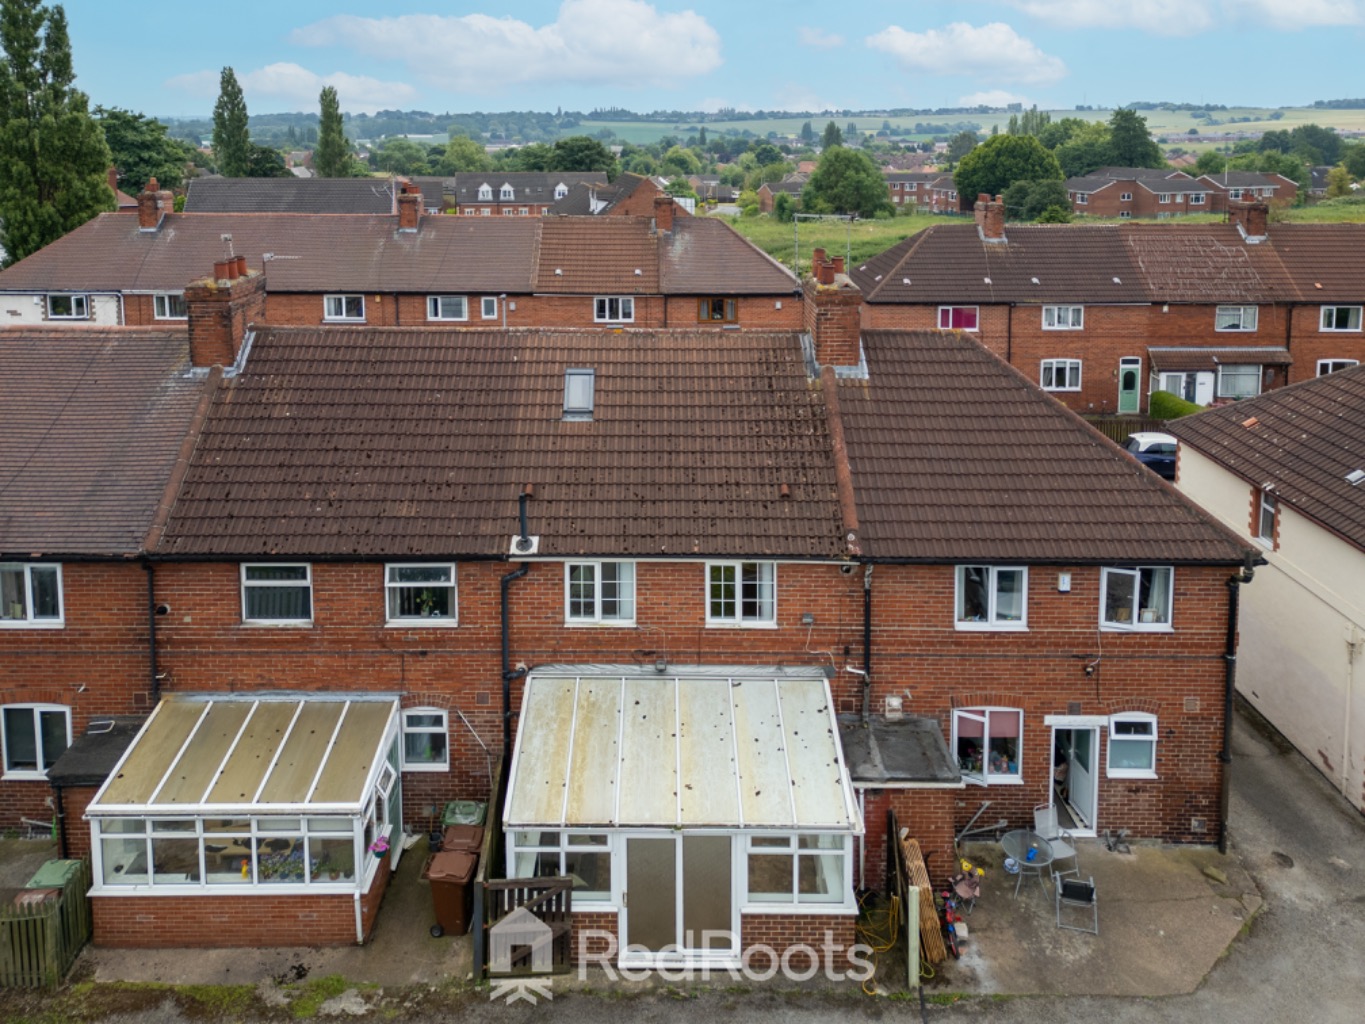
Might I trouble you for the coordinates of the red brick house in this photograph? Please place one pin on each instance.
(1252, 186)
(514, 193)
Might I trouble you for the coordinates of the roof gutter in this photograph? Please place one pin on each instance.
(1234, 584)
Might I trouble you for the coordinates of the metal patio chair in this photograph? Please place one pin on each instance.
(1062, 843)
(1072, 892)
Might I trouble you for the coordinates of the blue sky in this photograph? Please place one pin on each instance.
(707, 54)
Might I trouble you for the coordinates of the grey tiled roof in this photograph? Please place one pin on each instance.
(527, 186)
(289, 195)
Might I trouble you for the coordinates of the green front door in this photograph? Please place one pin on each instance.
(1130, 387)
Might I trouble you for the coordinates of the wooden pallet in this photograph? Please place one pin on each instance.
(930, 930)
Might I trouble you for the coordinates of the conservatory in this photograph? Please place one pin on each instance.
(244, 796)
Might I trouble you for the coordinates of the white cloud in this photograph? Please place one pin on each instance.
(613, 42)
(992, 98)
(1190, 17)
(291, 87)
(797, 97)
(819, 38)
(1298, 13)
(993, 52)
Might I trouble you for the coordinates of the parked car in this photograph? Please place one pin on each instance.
(1154, 450)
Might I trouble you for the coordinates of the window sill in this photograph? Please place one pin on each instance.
(1063, 328)
(1062, 391)
(448, 319)
(24, 775)
(31, 624)
(712, 624)
(427, 767)
(343, 319)
(280, 624)
(599, 624)
(1140, 627)
(1122, 773)
(424, 622)
(993, 781)
(991, 627)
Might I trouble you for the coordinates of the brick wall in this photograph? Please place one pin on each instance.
(1310, 343)
(592, 948)
(827, 935)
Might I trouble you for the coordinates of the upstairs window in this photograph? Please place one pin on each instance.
(613, 309)
(1061, 375)
(68, 307)
(1326, 366)
(1137, 598)
(343, 307)
(1125, 197)
(1267, 509)
(987, 742)
(1063, 318)
(991, 597)
(911, 186)
(277, 594)
(1235, 318)
(421, 594)
(561, 190)
(507, 193)
(488, 307)
(447, 307)
(169, 306)
(34, 736)
(599, 592)
(1340, 318)
(717, 310)
(741, 594)
(30, 594)
(957, 318)
(579, 388)
(485, 193)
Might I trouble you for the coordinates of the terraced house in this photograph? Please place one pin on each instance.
(720, 599)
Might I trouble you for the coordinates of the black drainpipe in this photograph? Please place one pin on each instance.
(60, 814)
(867, 640)
(522, 543)
(155, 687)
(1229, 692)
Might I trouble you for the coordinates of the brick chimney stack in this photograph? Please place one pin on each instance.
(1251, 218)
(153, 203)
(832, 313)
(111, 176)
(990, 217)
(663, 213)
(220, 309)
(409, 207)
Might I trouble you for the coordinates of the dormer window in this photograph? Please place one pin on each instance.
(485, 193)
(507, 194)
(561, 190)
(578, 394)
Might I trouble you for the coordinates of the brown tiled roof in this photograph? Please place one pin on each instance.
(704, 255)
(374, 442)
(1206, 263)
(93, 421)
(956, 456)
(597, 255)
(1324, 260)
(289, 195)
(1304, 439)
(1209, 357)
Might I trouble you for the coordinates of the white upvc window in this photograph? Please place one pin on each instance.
(1164, 197)
(1197, 198)
(30, 595)
(599, 592)
(992, 597)
(1239, 381)
(1125, 197)
(613, 309)
(343, 307)
(803, 869)
(426, 740)
(987, 742)
(583, 856)
(1136, 598)
(1340, 318)
(68, 307)
(506, 194)
(34, 736)
(488, 307)
(1326, 366)
(169, 306)
(1061, 375)
(277, 594)
(485, 193)
(958, 318)
(421, 594)
(1235, 318)
(1063, 318)
(1125, 214)
(1267, 509)
(561, 190)
(1082, 198)
(1132, 746)
(447, 307)
(741, 593)
(1234, 193)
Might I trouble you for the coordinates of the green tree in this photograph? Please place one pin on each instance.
(231, 139)
(264, 162)
(1210, 162)
(784, 208)
(538, 156)
(1086, 149)
(1338, 182)
(1318, 145)
(807, 134)
(846, 181)
(1055, 215)
(464, 154)
(832, 137)
(331, 155)
(141, 149)
(1002, 160)
(961, 144)
(1130, 144)
(580, 153)
(53, 157)
(679, 162)
(400, 156)
(1354, 159)
(1044, 196)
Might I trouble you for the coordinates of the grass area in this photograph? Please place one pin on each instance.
(858, 240)
(309, 996)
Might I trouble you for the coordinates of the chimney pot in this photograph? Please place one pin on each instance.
(221, 270)
(240, 262)
(838, 267)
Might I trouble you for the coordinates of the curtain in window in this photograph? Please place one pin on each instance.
(1156, 595)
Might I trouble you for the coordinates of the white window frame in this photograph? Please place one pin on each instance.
(911, 186)
(1326, 366)
(340, 301)
(1163, 197)
(1352, 318)
(37, 711)
(441, 729)
(488, 307)
(1135, 718)
(486, 193)
(561, 190)
(1125, 214)
(597, 617)
(1125, 197)
(163, 310)
(436, 307)
(393, 586)
(580, 393)
(986, 775)
(306, 582)
(1082, 198)
(766, 580)
(80, 306)
(1063, 318)
(1236, 318)
(946, 312)
(1234, 193)
(839, 880)
(1135, 622)
(992, 621)
(613, 309)
(1198, 198)
(562, 846)
(1052, 370)
(1267, 515)
(485, 211)
(507, 194)
(29, 620)
(1234, 373)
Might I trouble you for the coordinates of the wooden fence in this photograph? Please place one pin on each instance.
(1117, 428)
(42, 931)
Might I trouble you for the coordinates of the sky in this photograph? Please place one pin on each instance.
(709, 54)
